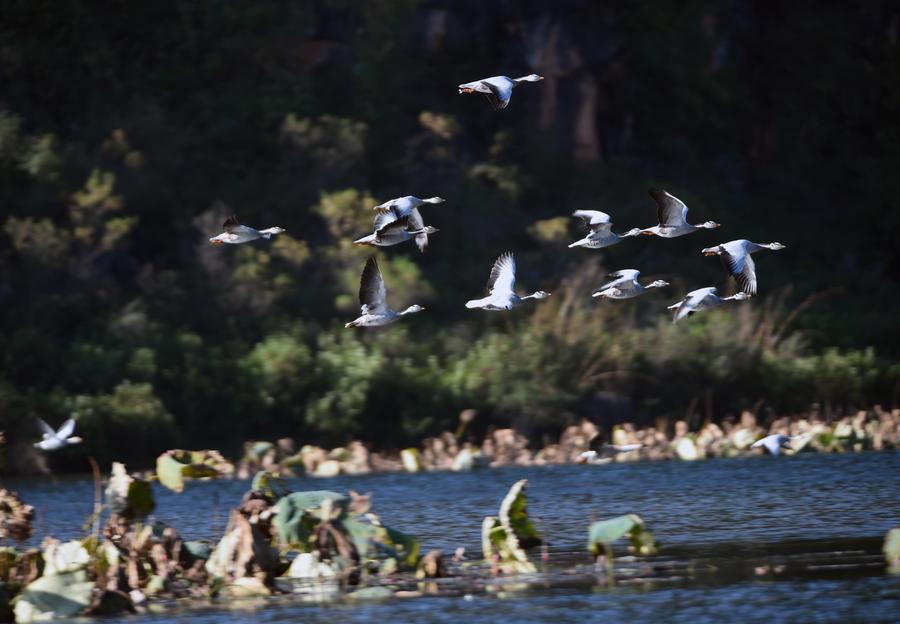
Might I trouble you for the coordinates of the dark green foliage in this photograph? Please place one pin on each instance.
(126, 136)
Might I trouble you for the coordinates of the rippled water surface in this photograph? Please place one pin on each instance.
(817, 518)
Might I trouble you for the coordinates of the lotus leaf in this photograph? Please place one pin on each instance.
(411, 460)
(372, 539)
(198, 549)
(371, 593)
(63, 558)
(128, 496)
(270, 485)
(892, 550)
(54, 596)
(297, 514)
(173, 467)
(514, 517)
(603, 533)
(495, 540)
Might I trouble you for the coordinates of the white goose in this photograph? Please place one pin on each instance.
(236, 233)
(625, 285)
(736, 258)
(600, 234)
(672, 214)
(606, 453)
(702, 299)
(401, 207)
(497, 89)
(374, 310)
(395, 231)
(774, 443)
(53, 440)
(501, 286)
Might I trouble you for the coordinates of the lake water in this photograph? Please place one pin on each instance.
(752, 539)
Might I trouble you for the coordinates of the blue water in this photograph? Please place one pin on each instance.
(716, 514)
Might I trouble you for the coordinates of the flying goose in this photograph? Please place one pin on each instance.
(497, 89)
(600, 234)
(672, 214)
(402, 207)
(736, 258)
(374, 310)
(625, 285)
(236, 233)
(395, 231)
(501, 286)
(774, 443)
(53, 440)
(702, 299)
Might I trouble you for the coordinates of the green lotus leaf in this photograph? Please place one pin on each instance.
(603, 533)
(297, 514)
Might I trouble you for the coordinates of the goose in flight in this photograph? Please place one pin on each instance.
(401, 207)
(497, 89)
(374, 310)
(501, 286)
(702, 299)
(390, 231)
(600, 234)
(53, 440)
(672, 214)
(774, 443)
(236, 233)
(624, 285)
(735, 256)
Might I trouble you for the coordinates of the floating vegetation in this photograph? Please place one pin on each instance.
(506, 537)
(16, 517)
(173, 467)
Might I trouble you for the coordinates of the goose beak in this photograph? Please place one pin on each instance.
(646, 233)
(466, 90)
(710, 253)
(215, 241)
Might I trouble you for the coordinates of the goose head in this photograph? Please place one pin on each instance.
(434, 200)
(218, 240)
(657, 284)
(711, 225)
(712, 251)
(633, 232)
(531, 78)
(540, 295)
(412, 309)
(774, 246)
(740, 296)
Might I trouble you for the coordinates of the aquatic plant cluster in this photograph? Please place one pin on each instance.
(317, 545)
(866, 431)
(120, 155)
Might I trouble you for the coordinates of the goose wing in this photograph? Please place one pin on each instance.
(416, 223)
(503, 275)
(67, 429)
(692, 301)
(231, 223)
(372, 292)
(740, 265)
(495, 96)
(595, 220)
(392, 226)
(671, 210)
(620, 278)
(46, 429)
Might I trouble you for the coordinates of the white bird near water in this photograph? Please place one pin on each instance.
(497, 89)
(774, 443)
(625, 285)
(736, 258)
(672, 213)
(600, 234)
(501, 286)
(702, 299)
(236, 233)
(406, 207)
(607, 452)
(374, 310)
(58, 439)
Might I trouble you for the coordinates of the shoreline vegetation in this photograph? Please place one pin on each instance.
(875, 429)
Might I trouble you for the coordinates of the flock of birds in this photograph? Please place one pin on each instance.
(399, 220)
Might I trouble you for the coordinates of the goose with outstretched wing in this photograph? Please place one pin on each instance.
(501, 287)
(497, 89)
(736, 258)
(672, 213)
(701, 299)
(236, 233)
(406, 207)
(374, 310)
(54, 440)
(625, 285)
(600, 232)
